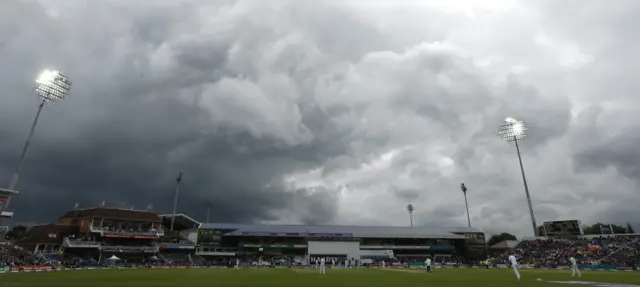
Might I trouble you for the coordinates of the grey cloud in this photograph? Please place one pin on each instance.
(241, 95)
(408, 194)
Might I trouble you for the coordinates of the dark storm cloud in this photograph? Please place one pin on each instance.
(332, 112)
(131, 135)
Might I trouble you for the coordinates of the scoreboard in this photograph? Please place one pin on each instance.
(563, 228)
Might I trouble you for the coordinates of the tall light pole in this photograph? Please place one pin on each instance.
(208, 211)
(52, 86)
(410, 209)
(175, 199)
(464, 191)
(515, 130)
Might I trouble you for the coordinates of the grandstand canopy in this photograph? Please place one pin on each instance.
(4, 197)
(114, 213)
(181, 222)
(347, 231)
(4, 191)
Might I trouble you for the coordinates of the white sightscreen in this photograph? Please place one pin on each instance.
(347, 248)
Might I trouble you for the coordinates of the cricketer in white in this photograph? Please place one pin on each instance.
(322, 263)
(574, 267)
(514, 265)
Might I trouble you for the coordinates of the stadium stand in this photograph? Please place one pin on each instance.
(293, 245)
(5, 215)
(614, 250)
(102, 236)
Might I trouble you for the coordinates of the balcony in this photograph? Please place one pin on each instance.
(80, 244)
(216, 251)
(131, 249)
(173, 246)
(408, 247)
(105, 232)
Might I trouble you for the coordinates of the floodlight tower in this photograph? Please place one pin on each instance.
(208, 211)
(410, 209)
(52, 86)
(515, 130)
(464, 191)
(175, 199)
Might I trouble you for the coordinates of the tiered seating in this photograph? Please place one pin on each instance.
(55, 258)
(613, 250)
(11, 255)
(176, 258)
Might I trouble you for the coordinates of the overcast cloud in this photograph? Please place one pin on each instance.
(327, 112)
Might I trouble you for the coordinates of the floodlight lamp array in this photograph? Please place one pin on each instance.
(53, 86)
(512, 130)
(410, 207)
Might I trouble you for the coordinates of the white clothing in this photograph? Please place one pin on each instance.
(384, 264)
(427, 262)
(514, 265)
(237, 263)
(322, 262)
(574, 267)
(333, 263)
(316, 263)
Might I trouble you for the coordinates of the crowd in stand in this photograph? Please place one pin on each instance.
(622, 251)
(11, 255)
(613, 250)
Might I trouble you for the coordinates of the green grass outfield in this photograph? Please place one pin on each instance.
(307, 277)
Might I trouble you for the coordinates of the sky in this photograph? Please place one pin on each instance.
(326, 112)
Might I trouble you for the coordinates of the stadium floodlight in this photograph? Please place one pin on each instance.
(410, 209)
(208, 211)
(515, 130)
(52, 86)
(464, 190)
(175, 199)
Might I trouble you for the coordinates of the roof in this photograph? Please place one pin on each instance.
(4, 191)
(347, 231)
(48, 233)
(116, 213)
(507, 244)
(182, 219)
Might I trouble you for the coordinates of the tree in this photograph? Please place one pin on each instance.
(16, 233)
(497, 238)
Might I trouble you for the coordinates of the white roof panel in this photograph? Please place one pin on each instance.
(346, 231)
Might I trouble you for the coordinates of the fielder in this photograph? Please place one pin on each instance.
(574, 267)
(316, 261)
(427, 264)
(333, 263)
(514, 264)
(384, 264)
(237, 263)
(322, 266)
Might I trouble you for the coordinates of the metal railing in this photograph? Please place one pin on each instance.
(102, 230)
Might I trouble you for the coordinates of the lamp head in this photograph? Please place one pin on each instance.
(53, 86)
(512, 129)
(410, 207)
